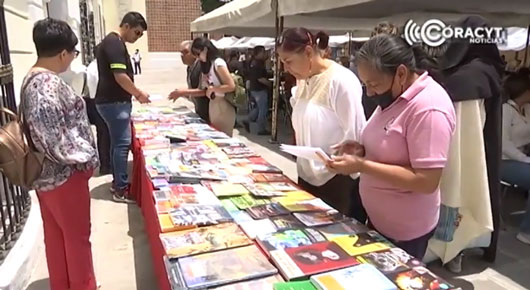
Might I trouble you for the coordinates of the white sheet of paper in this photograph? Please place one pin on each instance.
(156, 97)
(310, 153)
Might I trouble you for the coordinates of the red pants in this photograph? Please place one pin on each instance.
(66, 218)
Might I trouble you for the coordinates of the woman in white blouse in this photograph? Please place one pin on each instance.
(327, 110)
(515, 167)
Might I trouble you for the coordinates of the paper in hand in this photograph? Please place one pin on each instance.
(155, 97)
(310, 153)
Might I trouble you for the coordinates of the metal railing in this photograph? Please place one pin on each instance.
(14, 201)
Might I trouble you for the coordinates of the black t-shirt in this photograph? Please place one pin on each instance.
(112, 56)
(257, 71)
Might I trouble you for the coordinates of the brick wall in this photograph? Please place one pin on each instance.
(169, 22)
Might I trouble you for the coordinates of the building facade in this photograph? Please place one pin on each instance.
(169, 22)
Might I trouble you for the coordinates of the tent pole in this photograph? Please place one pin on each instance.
(277, 78)
(350, 34)
(526, 48)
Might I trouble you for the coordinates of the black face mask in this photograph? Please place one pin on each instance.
(385, 99)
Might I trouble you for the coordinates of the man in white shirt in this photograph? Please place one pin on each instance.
(102, 132)
(137, 58)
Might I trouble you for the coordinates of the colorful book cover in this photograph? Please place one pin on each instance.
(313, 259)
(313, 219)
(246, 201)
(295, 285)
(344, 228)
(174, 274)
(224, 267)
(263, 283)
(294, 197)
(268, 177)
(257, 228)
(229, 205)
(266, 210)
(308, 205)
(284, 239)
(264, 190)
(390, 261)
(203, 239)
(364, 243)
(315, 235)
(286, 222)
(228, 189)
(420, 278)
(182, 188)
(199, 215)
(364, 277)
(283, 186)
(241, 216)
(159, 183)
(166, 224)
(162, 195)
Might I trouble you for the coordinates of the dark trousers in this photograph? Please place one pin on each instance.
(342, 193)
(416, 248)
(102, 132)
(137, 68)
(202, 108)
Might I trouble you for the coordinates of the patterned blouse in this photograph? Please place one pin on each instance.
(59, 127)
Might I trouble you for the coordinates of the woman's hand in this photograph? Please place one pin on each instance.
(345, 164)
(210, 92)
(349, 148)
(177, 93)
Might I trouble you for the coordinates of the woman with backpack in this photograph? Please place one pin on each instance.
(216, 81)
(57, 124)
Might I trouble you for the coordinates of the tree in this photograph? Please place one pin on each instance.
(209, 5)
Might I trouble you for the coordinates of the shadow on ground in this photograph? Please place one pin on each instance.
(42, 284)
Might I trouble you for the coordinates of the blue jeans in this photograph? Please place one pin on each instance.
(518, 173)
(259, 113)
(118, 119)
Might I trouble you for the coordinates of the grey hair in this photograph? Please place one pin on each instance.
(186, 44)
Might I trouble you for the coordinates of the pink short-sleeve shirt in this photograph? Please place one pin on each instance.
(414, 131)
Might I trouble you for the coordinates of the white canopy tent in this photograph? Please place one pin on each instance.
(516, 39)
(225, 42)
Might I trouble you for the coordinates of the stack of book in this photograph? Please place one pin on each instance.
(231, 220)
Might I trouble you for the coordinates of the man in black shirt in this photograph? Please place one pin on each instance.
(202, 104)
(259, 91)
(114, 93)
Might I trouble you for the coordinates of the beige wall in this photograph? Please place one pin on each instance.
(19, 30)
(114, 10)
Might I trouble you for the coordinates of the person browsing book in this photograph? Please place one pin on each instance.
(57, 123)
(215, 83)
(113, 96)
(327, 110)
(405, 143)
(515, 166)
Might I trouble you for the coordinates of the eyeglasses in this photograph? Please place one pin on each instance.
(139, 33)
(75, 52)
(195, 52)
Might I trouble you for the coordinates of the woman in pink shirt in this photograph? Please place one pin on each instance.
(404, 144)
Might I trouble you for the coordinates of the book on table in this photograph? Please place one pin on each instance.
(224, 267)
(262, 283)
(390, 261)
(312, 219)
(363, 276)
(295, 285)
(304, 261)
(267, 210)
(286, 222)
(284, 239)
(246, 201)
(199, 215)
(364, 243)
(420, 278)
(222, 189)
(257, 228)
(344, 228)
(203, 239)
(308, 205)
